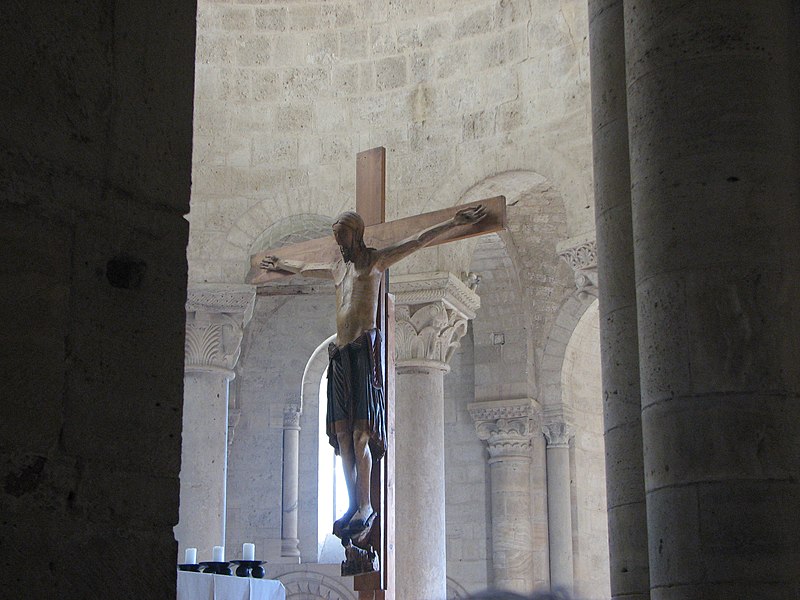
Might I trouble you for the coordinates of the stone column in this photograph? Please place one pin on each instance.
(431, 311)
(215, 320)
(619, 344)
(713, 96)
(505, 426)
(559, 505)
(291, 452)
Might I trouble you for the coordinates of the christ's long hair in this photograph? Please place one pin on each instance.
(354, 222)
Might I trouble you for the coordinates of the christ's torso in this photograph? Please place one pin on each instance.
(356, 301)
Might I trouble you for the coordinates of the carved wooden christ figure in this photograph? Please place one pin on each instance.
(355, 418)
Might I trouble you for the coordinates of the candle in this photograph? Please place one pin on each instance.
(248, 551)
(218, 554)
(190, 557)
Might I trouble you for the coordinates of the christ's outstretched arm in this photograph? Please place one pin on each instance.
(321, 270)
(395, 252)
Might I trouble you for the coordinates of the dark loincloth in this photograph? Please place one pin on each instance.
(355, 391)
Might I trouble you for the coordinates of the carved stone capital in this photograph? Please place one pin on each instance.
(291, 416)
(505, 426)
(216, 316)
(558, 434)
(432, 311)
(582, 257)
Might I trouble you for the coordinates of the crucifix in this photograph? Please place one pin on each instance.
(359, 416)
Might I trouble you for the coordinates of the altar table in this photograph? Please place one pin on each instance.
(205, 586)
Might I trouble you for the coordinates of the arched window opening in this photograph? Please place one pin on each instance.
(332, 498)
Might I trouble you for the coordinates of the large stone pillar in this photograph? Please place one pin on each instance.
(431, 311)
(505, 426)
(619, 346)
(215, 319)
(713, 115)
(291, 460)
(559, 505)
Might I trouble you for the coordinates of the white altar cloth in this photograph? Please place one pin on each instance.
(205, 586)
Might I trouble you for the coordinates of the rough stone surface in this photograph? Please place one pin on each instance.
(287, 94)
(95, 179)
(715, 228)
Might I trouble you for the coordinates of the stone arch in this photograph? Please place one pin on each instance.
(455, 591)
(291, 230)
(309, 444)
(283, 231)
(555, 347)
(581, 385)
(310, 585)
(530, 277)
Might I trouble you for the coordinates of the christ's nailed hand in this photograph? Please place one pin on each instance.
(270, 263)
(469, 215)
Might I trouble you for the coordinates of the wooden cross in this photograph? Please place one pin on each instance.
(371, 205)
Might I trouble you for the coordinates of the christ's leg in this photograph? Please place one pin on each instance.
(349, 466)
(363, 467)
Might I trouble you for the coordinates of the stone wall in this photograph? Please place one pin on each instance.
(280, 339)
(287, 94)
(466, 491)
(96, 175)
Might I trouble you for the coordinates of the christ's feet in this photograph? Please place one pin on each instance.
(361, 520)
(342, 524)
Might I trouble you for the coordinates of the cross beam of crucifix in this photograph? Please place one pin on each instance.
(370, 205)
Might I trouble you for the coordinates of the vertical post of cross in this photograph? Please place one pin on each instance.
(371, 205)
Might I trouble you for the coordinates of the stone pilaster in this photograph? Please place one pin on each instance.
(215, 319)
(291, 453)
(431, 311)
(506, 427)
(559, 505)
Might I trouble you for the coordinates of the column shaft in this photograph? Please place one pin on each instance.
(291, 461)
(216, 315)
(512, 548)
(204, 462)
(419, 470)
(431, 314)
(505, 425)
(712, 103)
(627, 519)
(559, 518)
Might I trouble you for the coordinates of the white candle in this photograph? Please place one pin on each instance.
(190, 557)
(248, 551)
(218, 554)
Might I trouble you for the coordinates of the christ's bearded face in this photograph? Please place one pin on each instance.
(346, 239)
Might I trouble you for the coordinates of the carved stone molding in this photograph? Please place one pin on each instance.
(216, 316)
(439, 286)
(506, 426)
(222, 298)
(308, 585)
(558, 434)
(582, 257)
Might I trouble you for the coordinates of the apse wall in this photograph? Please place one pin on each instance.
(287, 94)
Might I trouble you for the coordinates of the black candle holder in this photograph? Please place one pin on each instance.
(189, 567)
(216, 568)
(249, 568)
